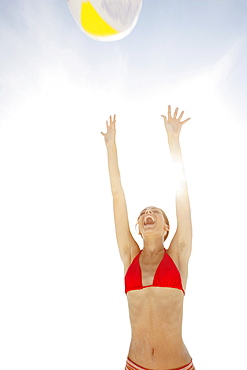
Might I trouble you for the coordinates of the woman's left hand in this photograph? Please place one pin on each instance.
(173, 124)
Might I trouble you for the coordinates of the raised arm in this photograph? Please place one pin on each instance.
(128, 247)
(182, 240)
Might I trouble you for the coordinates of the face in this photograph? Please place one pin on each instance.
(151, 221)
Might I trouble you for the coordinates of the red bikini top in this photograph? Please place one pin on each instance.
(166, 275)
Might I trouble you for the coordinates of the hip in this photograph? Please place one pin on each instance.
(172, 355)
(130, 365)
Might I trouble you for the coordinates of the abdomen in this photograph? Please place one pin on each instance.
(156, 322)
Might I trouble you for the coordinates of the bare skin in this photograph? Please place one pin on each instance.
(155, 312)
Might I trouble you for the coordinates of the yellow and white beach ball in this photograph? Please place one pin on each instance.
(106, 20)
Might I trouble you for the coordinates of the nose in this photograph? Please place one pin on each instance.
(148, 211)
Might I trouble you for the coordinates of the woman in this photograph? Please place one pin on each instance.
(155, 278)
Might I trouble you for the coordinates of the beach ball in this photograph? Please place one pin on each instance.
(106, 20)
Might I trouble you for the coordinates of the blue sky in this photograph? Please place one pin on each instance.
(57, 88)
(172, 40)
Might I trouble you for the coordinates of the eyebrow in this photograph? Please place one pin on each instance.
(151, 208)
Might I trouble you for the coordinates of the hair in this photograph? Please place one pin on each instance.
(165, 218)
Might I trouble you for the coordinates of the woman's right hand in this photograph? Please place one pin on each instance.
(110, 131)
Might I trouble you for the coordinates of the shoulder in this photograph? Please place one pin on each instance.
(180, 250)
(129, 259)
(180, 255)
(181, 263)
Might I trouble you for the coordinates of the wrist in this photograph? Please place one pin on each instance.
(111, 145)
(173, 137)
(174, 146)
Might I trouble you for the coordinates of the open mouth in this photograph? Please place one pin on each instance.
(149, 220)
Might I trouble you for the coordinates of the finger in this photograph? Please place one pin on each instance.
(181, 115)
(107, 125)
(185, 120)
(102, 133)
(112, 120)
(165, 119)
(169, 112)
(175, 113)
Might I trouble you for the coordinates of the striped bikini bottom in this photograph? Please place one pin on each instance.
(130, 365)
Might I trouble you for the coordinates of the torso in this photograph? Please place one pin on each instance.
(156, 321)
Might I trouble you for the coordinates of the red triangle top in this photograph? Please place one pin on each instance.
(167, 275)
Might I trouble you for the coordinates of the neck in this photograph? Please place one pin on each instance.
(153, 245)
